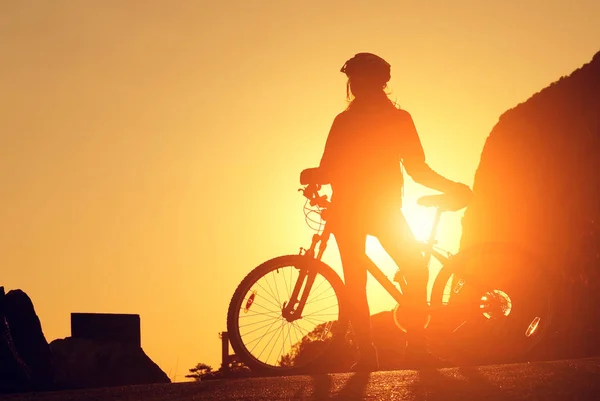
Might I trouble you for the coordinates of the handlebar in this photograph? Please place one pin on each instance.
(443, 202)
(314, 178)
(311, 192)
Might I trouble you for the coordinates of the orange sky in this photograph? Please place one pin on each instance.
(150, 150)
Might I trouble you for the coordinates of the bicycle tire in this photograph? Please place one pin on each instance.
(528, 312)
(240, 299)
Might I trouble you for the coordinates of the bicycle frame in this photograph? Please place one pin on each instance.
(293, 309)
(429, 250)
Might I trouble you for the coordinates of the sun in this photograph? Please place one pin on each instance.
(421, 220)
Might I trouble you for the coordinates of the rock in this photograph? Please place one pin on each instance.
(30, 344)
(11, 379)
(83, 363)
(389, 340)
(537, 185)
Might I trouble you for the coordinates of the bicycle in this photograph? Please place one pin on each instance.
(473, 319)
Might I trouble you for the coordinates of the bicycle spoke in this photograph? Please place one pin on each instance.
(321, 310)
(311, 320)
(283, 338)
(269, 293)
(318, 295)
(256, 303)
(252, 324)
(287, 287)
(303, 332)
(270, 340)
(277, 307)
(314, 290)
(322, 292)
(327, 297)
(322, 314)
(261, 337)
(300, 328)
(271, 313)
(266, 310)
(274, 304)
(276, 288)
(295, 332)
(290, 335)
(270, 288)
(275, 336)
(255, 330)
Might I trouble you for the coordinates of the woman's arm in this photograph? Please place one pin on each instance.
(332, 146)
(320, 175)
(413, 158)
(424, 175)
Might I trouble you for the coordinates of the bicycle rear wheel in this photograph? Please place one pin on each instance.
(493, 303)
(269, 343)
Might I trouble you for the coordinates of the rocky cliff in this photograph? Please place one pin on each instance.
(538, 185)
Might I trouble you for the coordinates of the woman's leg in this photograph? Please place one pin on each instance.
(351, 243)
(396, 237)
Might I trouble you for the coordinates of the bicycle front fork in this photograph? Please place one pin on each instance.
(292, 309)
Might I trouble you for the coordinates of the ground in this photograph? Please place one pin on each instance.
(550, 381)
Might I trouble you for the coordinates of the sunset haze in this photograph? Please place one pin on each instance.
(150, 150)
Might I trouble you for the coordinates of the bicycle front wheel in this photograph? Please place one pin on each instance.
(268, 342)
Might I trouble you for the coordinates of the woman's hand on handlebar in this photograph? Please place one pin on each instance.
(463, 192)
(311, 192)
(313, 179)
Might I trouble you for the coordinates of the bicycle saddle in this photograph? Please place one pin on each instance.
(313, 176)
(444, 202)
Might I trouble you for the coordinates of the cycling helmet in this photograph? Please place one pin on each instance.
(367, 64)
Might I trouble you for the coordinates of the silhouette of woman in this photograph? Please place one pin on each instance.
(361, 161)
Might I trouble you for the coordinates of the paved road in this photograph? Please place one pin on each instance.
(549, 381)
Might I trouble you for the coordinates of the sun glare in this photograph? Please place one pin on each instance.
(420, 220)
